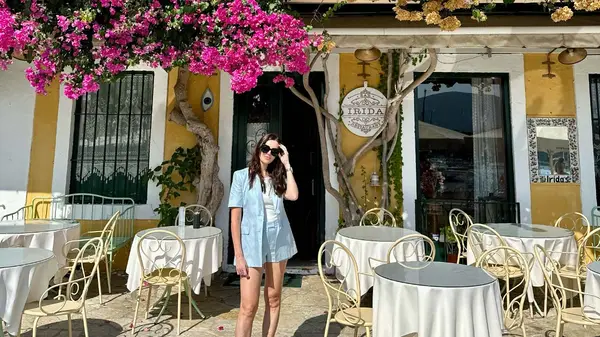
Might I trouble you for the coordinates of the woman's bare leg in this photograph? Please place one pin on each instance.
(273, 283)
(249, 294)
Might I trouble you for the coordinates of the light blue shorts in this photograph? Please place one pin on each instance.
(278, 242)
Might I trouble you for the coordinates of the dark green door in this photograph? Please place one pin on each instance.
(270, 107)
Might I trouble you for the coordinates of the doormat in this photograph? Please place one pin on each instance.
(289, 280)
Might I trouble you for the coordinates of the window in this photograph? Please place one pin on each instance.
(464, 138)
(111, 139)
(595, 103)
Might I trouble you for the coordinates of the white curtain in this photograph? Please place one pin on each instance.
(488, 159)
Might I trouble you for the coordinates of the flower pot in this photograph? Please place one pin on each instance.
(452, 258)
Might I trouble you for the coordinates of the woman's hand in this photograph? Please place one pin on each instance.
(241, 267)
(285, 156)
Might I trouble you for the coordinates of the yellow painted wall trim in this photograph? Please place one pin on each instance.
(43, 143)
(550, 97)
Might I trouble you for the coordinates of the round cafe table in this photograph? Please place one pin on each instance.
(435, 299)
(591, 304)
(46, 234)
(203, 248)
(366, 242)
(559, 242)
(24, 277)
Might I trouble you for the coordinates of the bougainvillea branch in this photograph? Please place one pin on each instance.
(87, 42)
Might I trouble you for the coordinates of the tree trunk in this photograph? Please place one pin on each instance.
(209, 189)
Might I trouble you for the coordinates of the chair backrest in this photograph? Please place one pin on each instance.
(22, 213)
(109, 230)
(551, 268)
(378, 217)
(196, 213)
(168, 247)
(589, 250)
(482, 238)
(413, 247)
(74, 291)
(459, 222)
(334, 254)
(512, 267)
(595, 216)
(576, 222)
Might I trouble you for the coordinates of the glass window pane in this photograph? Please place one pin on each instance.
(111, 140)
(462, 139)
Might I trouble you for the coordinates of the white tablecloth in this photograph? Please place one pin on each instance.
(366, 242)
(203, 255)
(523, 237)
(591, 304)
(24, 277)
(46, 234)
(435, 300)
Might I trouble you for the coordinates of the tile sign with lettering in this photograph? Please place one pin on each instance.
(363, 110)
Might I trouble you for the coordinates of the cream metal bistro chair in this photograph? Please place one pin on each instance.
(170, 274)
(513, 307)
(459, 222)
(197, 213)
(550, 268)
(344, 305)
(482, 238)
(587, 251)
(575, 222)
(71, 249)
(68, 303)
(378, 217)
(416, 247)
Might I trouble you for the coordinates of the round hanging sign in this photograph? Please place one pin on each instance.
(363, 110)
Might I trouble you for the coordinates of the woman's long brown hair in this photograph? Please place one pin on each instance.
(276, 169)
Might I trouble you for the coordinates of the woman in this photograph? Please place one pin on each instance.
(261, 233)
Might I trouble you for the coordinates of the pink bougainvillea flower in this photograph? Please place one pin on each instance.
(85, 47)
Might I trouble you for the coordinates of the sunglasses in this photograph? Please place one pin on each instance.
(274, 151)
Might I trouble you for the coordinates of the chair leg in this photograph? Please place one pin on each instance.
(108, 274)
(85, 326)
(355, 332)
(35, 323)
(205, 290)
(137, 307)
(148, 300)
(19, 331)
(99, 287)
(189, 293)
(69, 323)
(368, 332)
(327, 323)
(179, 307)
(580, 294)
(523, 328)
(545, 313)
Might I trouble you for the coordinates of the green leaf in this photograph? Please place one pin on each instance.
(508, 2)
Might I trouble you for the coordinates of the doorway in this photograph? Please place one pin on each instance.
(270, 107)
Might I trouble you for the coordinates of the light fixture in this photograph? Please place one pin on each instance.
(366, 56)
(374, 179)
(572, 55)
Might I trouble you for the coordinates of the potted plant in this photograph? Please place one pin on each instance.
(451, 246)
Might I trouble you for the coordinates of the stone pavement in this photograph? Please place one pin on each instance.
(303, 315)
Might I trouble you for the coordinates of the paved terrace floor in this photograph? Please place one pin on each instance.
(303, 315)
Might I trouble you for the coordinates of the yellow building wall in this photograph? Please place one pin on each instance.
(550, 97)
(43, 143)
(349, 80)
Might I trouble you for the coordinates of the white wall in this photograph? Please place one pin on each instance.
(17, 101)
(582, 72)
(511, 64)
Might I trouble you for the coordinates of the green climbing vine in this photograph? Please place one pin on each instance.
(395, 163)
